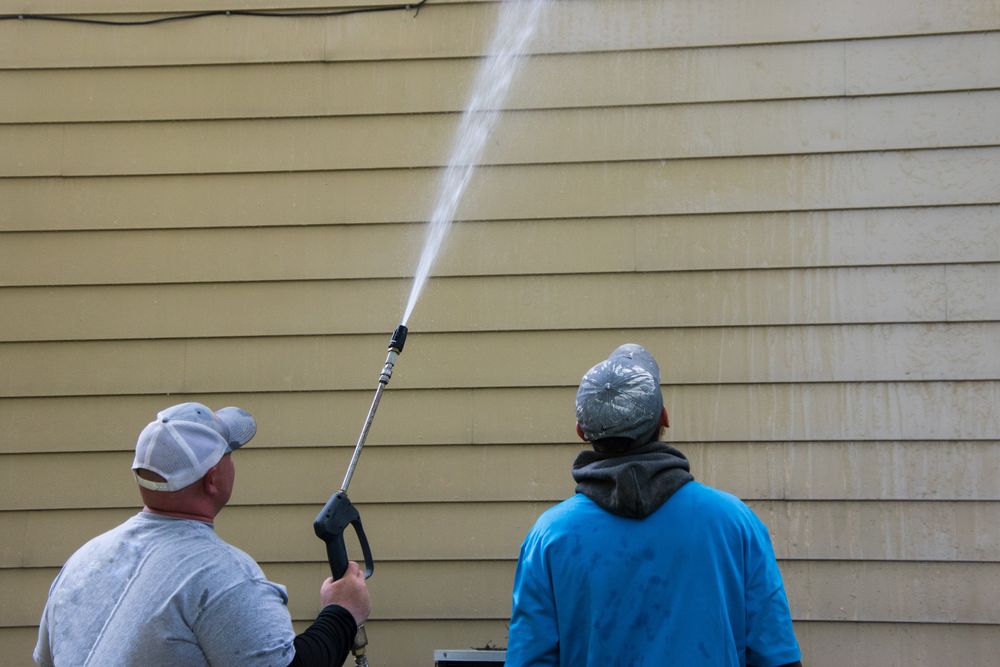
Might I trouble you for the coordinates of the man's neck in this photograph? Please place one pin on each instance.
(180, 515)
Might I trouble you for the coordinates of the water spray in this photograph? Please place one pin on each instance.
(516, 24)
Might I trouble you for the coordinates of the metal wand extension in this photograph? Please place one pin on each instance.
(360, 647)
(395, 347)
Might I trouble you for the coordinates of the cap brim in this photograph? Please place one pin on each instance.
(241, 424)
(637, 355)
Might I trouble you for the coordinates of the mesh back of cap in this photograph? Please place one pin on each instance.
(179, 451)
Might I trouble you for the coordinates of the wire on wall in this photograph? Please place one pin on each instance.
(415, 6)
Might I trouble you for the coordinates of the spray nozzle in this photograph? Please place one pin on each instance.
(398, 338)
(395, 347)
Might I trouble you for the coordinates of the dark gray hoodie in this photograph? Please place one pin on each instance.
(634, 483)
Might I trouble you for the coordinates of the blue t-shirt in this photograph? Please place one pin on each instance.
(694, 583)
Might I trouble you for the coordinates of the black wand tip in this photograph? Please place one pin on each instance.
(398, 338)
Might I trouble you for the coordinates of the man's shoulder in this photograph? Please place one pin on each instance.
(166, 539)
(199, 559)
(224, 557)
(111, 539)
(708, 501)
(701, 492)
(567, 509)
(561, 516)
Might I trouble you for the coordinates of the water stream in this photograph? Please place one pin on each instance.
(515, 26)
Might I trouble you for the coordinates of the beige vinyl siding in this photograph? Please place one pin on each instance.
(794, 206)
(750, 470)
(837, 353)
(930, 293)
(800, 239)
(885, 179)
(463, 29)
(564, 80)
(875, 530)
(785, 127)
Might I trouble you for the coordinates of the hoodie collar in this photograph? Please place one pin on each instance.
(634, 484)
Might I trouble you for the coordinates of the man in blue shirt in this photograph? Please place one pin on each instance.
(644, 565)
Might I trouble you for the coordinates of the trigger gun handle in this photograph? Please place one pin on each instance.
(329, 526)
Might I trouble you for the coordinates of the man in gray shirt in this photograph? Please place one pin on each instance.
(163, 589)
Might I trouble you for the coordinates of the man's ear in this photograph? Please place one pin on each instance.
(208, 482)
(579, 432)
(664, 418)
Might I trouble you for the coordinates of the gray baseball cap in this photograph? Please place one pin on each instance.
(620, 397)
(186, 440)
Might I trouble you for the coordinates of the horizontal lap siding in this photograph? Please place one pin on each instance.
(897, 122)
(834, 353)
(804, 239)
(764, 72)
(796, 209)
(464, 29)
(933, 293)
(802, 530)
(470, 474)
(696, 186)
(753, 413)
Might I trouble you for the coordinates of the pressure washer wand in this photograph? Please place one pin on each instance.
(339, 512)
(395, 347)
